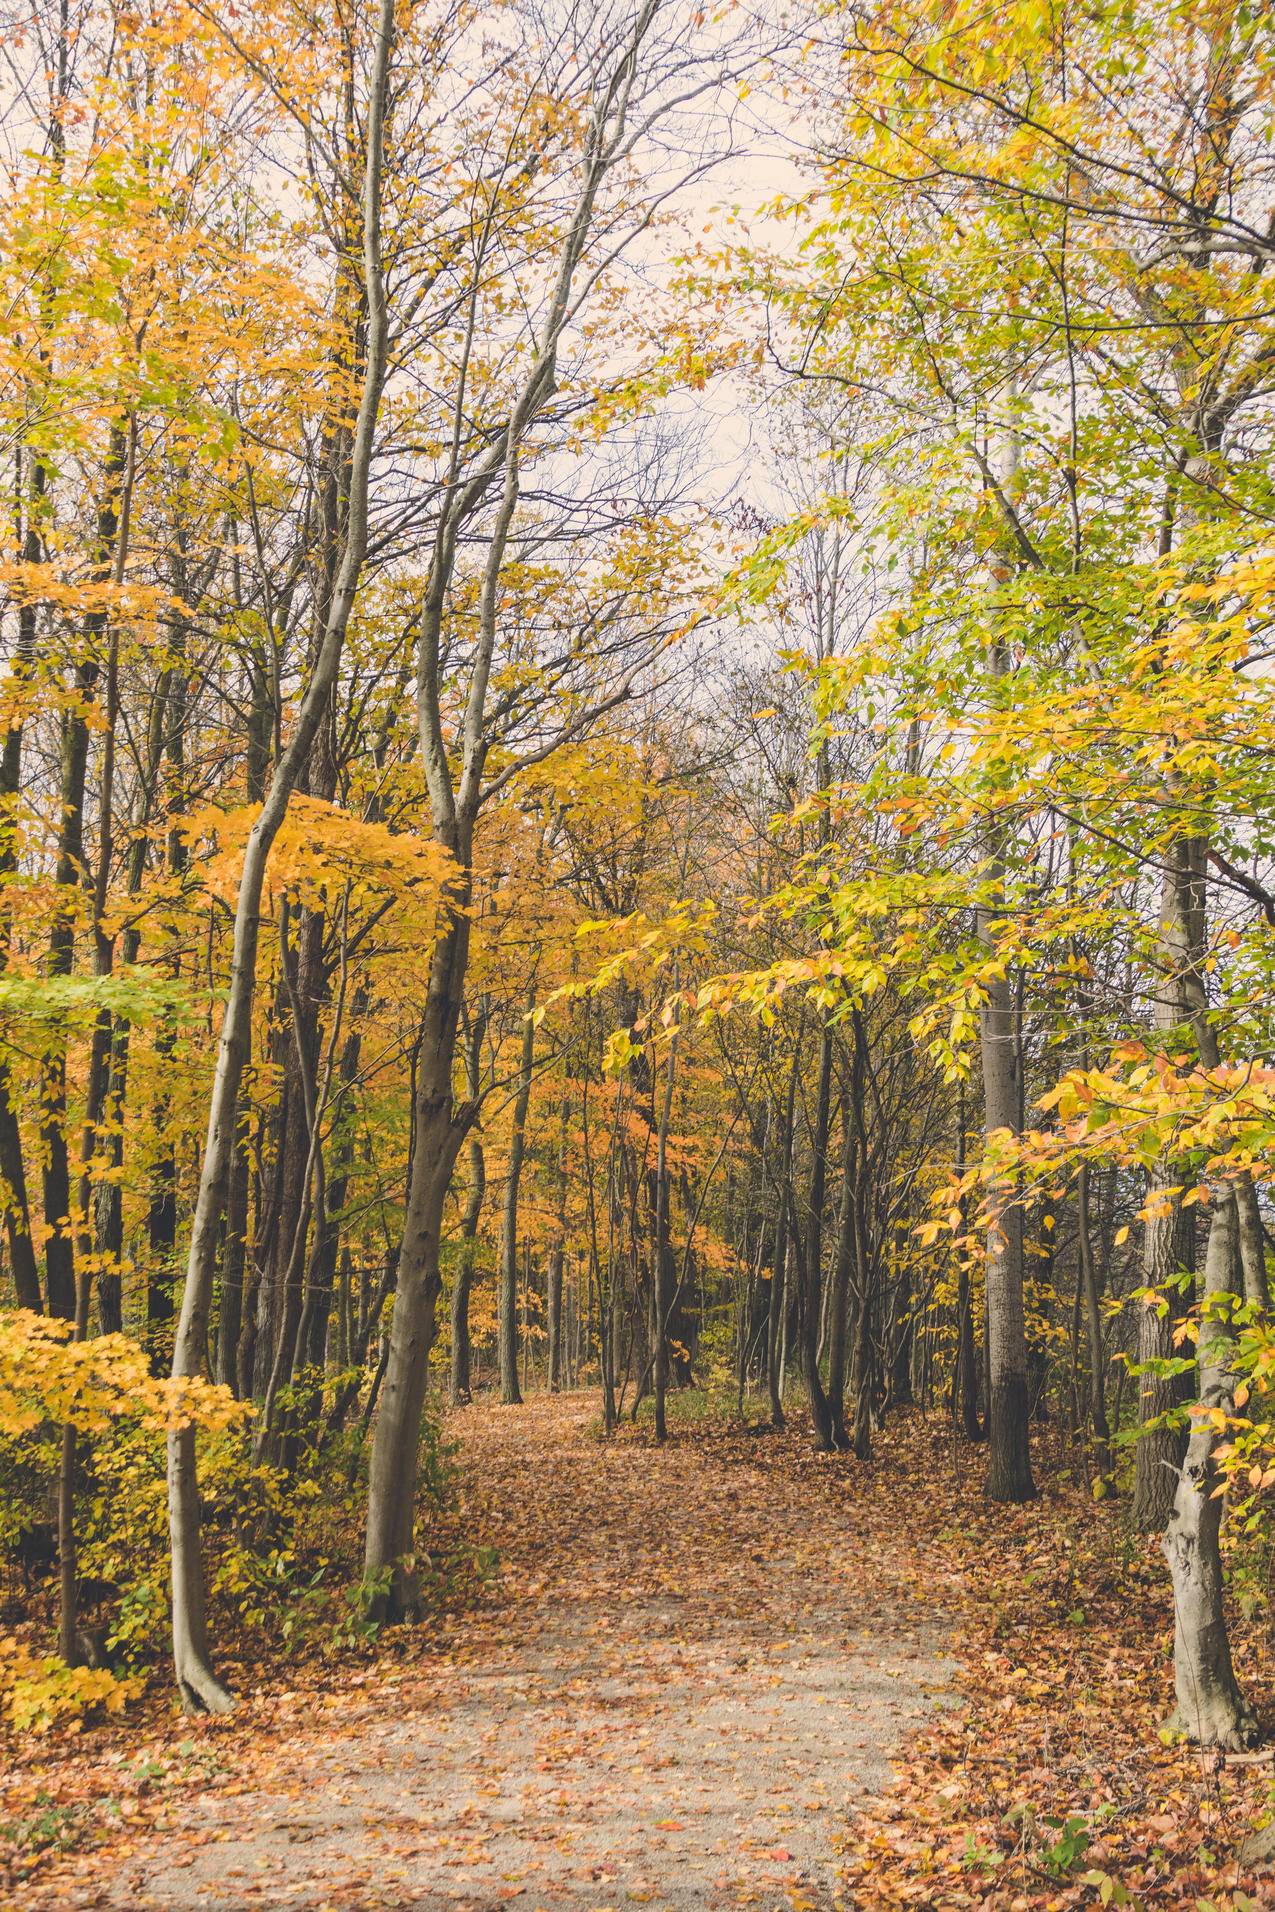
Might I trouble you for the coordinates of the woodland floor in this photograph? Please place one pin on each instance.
(725, 1673)
(679, 1689)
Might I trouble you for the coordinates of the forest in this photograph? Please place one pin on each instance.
(637, 953)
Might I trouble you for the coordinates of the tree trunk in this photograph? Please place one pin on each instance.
(392, 1484)
(59, 1254)
(862, 1370)
(1009, 1474)
(1166, 1251)
(197, 1683)
(812, 1259)
(461, 1381)
(17, 1210)
(903, 1335)
(1210, 1708)
(662, 1254)
(839, 1302)
(1098, 1423)
(777, 1311)
(230, 1318)
(1158, 1456)
(510, 1390)
(553, 1295)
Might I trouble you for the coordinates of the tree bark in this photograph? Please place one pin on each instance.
(557, 1258)
(439, 1134)
(777, 1311)
(1210, 1708)
(812, 1259)
(1099, 1426)
(17, 1208)
(454, 807)
(1009, 1473)
(1166, 1249)
(839, 1301)
(662, 1253)
(510, 1390)
(197, 1683)
(59, 1254)
(462, 1385)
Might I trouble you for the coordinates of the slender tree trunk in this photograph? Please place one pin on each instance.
(461, 1380)
(454, 807)
(1009, 1474)
(839, 1304)
(1210, 1709)
(1099, 1425)
(1158, 1456)
(67, 1603)
(510, 1390)
(862, 1367)
(965, 1404)
(17, 1209)
(462, 1385)
(1166, 1250)
(662, 1254)
(17, 1212)
(197, 1683)
(903, 1334)
(777, 1313)
(68, 1599)
(812, 1283)
(557, 1258)
(439, 1134)
(59, 1252)
(235, 1261)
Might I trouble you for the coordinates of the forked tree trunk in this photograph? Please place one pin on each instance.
(197, 1682)
(454, 808)
(1210, 1708)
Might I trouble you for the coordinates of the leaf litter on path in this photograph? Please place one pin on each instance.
(683, 1681)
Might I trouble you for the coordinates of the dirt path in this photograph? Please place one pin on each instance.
(687, 1677)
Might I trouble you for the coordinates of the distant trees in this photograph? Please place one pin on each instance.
(472, 903)
(1031, 281)
(276, 472)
